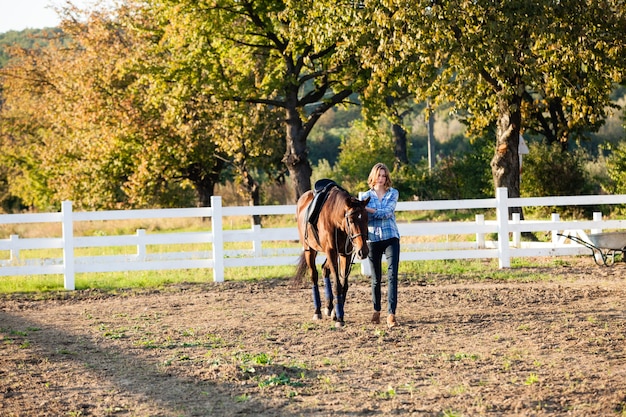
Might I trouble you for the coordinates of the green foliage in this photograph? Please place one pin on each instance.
(464, 176)
(27, 39)
(460, 176)
(360, 150)
(616, 168)
(325, 146)
(276, 380)
(462, 172)
(122, 117)
(325, 137)
(278, 54)
(548, 170)
(546, 66)
(414, 181)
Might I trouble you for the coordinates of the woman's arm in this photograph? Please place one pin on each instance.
(388, 205)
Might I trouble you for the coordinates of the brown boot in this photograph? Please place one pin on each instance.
(376, 317)
(391, 321)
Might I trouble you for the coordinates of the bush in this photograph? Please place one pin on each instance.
(464, 175)
(616, 167)
(359, 151)
(548, 170)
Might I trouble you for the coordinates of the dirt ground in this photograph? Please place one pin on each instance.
(252, 349)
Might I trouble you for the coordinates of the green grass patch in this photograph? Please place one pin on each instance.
(430, 271)
(478, 270)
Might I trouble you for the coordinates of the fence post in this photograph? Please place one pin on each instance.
(502, 218)
(555, 233)
(257, 243)
(597, 217)
(218, 238)
(68, 245)
(517, 235)
(141, 245)
(480, 237)
(14, 253)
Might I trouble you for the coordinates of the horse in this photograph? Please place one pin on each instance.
(340, 232)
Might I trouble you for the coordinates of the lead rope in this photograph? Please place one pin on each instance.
(349, 240)
(351, 253)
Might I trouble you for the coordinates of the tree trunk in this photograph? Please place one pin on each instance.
(252, 186)
(204, 188)
(399, 135)
(296, 155)
(204, 180)
(505, 162)
(399, 139)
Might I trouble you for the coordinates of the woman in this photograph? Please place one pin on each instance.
(383, 238)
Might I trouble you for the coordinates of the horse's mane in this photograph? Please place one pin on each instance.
(335, 204)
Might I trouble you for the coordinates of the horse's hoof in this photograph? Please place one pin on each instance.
(339, 324)
(317, 316)
(327, 312)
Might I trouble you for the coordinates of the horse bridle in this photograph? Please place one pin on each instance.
(351, 237)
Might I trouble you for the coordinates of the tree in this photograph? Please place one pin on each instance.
(110, 120)
(363, 147)
(246, 135)
(251, 137)
(275, 53)
(50, 131)
(502, 62)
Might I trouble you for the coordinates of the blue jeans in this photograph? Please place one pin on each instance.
(391, 249)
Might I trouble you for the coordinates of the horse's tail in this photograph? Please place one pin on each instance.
(301, 271)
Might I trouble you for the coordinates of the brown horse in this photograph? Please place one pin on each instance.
(340, 233)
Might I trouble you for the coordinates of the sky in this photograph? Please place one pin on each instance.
(32, 14)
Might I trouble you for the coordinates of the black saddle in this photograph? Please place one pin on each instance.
(320, 194)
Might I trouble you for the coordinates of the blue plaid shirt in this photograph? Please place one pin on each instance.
(382, 224)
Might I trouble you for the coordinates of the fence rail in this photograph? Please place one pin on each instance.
(508, 244)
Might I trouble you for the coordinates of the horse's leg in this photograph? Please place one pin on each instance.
(343, 270)
(328, 290)
(310, 260)
(345, 265)
(337, 288)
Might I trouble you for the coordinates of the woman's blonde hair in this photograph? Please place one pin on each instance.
(373, 177)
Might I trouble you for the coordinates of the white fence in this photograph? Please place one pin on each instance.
(507, 246)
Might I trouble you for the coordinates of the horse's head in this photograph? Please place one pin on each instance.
(356, 219)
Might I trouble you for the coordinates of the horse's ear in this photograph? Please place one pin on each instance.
(367, 200)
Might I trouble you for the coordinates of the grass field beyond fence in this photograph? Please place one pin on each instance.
(427, 272)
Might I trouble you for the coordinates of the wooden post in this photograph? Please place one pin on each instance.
(555, 219)
(517, 235)
(141, 246)
(597, 217)
(14, 253)
(480, 237)
(218, 238)
(502, 218)
(68, 245)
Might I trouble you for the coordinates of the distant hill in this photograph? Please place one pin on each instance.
(28, 38)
